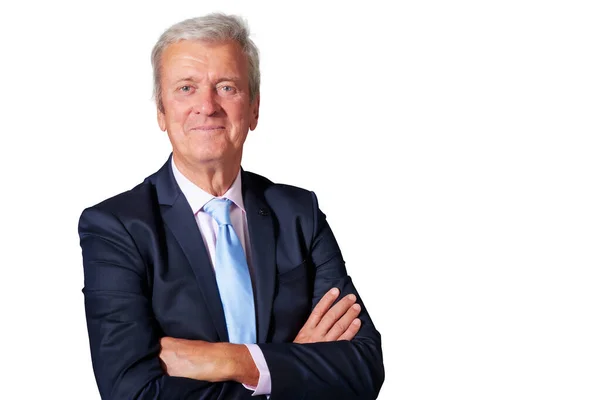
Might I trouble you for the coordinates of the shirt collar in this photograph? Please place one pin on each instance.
(198, 197)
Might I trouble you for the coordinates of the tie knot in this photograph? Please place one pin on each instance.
(219, 210)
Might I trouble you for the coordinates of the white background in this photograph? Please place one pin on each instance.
(453, 145)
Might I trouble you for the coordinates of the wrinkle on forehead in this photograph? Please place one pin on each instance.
(200, 57)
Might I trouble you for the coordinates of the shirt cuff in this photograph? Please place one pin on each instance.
(264, 376)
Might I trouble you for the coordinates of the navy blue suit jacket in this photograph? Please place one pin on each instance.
(148, 275)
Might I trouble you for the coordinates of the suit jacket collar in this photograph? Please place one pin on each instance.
(167, 189)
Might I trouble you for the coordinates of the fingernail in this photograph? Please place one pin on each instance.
(356, 322)
(352, 297)
(334, 291)
(356, 307)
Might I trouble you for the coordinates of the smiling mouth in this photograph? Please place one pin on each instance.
(207, 128)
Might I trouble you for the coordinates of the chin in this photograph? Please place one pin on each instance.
(205, 157)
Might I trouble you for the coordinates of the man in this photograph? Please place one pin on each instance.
(207, 281)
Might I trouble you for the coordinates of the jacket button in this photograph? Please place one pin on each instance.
(263, 212)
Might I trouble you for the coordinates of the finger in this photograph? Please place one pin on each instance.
(164, 353)
(343, 323)
(352, 330)
(163, 364)
(321, 308)
(335, 313)
(166, 341)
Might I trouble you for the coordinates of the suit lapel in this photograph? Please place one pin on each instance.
(179, 218)
(262, 243)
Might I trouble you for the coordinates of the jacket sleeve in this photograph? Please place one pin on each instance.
(344, 369)
(124, 335)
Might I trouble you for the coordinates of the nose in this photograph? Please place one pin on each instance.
(207, 102)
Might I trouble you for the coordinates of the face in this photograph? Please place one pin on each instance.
(206, 100)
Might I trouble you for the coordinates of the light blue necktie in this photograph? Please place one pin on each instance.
(233, 277)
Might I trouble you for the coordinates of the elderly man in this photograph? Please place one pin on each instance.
(210, 282)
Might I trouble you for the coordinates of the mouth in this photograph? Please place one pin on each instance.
(206, 128)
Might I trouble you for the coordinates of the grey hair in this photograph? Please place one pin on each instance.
(214, 27)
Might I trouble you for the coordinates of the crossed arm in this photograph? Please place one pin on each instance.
(330, 356)
(219, 362)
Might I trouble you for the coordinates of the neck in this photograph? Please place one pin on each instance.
(215, 179)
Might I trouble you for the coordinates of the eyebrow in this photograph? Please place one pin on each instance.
(227, 78)
(186, 79)
(222, 79)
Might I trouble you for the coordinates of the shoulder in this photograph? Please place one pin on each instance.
(279, 195)
(283, 199)
(140, 202)
(130, 200)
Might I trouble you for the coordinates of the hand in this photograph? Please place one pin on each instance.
(212, 362)
(327, 324)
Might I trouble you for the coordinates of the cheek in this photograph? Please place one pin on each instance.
(240, 118)
(177, 123)
(178, 111)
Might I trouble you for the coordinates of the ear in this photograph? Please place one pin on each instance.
(160, 117)
(254, 112)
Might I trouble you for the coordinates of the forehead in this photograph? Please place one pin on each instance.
(188, 56)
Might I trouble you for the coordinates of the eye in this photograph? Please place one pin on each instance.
(186, 89)
(227, 89)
